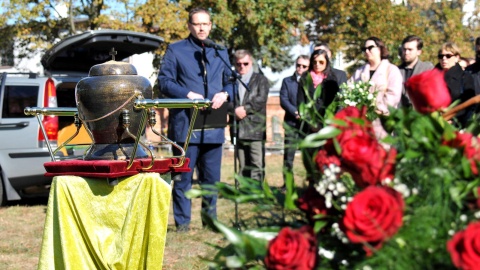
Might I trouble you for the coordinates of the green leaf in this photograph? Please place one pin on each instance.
(234, 262)
(320, 224)
(317, 139)
(195, 193)
(291, 194)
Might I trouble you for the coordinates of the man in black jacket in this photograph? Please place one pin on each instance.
(474, 68)
(251, 114)
(288, 101)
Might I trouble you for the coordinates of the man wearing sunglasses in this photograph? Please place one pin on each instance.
(291, 121)
(411, 65)
(251, 115)
(190, 69)
(474, 68)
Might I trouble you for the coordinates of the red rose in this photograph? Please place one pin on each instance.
(478, 198)
(351, 112)
(366, 160)
(464, 247)
(470, 146)
(428, 91)
(323, 160)
(348, 116)
(292, 249)
(373, 216)
(354, 122)
(312, 203)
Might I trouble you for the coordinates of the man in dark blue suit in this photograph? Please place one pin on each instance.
(288, 101)
(192, 70)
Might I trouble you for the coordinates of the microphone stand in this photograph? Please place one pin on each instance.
(234, 78)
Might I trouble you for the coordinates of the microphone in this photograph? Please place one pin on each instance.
(209, 43)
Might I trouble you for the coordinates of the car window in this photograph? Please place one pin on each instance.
(16, 98)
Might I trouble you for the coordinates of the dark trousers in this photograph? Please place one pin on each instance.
(208, 160)
(251, 156)
(290, 148)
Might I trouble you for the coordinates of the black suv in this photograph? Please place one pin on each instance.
(22, 147)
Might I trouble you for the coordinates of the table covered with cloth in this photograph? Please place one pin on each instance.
(93, 225)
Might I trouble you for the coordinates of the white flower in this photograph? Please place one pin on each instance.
(331, 186)
(463, 218)
(341, 188)
(326, 253)
(403, 189)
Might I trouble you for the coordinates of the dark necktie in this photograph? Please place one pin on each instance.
(204, 64)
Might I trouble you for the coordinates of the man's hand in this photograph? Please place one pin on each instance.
(240, 112)
(193, 95)
(297, 116)
(219, 99)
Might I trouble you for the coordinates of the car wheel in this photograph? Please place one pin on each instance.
(3, 195)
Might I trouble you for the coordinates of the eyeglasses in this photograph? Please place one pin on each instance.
(448, 56)
(321, 62)
(200, 24)
(302, 66)
(242, 64)
(368, 48)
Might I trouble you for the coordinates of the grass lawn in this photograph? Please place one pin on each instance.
(22, 225)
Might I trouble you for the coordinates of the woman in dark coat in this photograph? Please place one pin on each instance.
(319, 77)
(460, 83)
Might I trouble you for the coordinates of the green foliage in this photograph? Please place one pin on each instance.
(438, 188)
(268, 28)
(353, 21)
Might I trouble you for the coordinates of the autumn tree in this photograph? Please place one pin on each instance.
(267, 27)
(447, 21)
(345, 24)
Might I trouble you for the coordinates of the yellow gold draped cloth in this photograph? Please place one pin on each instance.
(93, 225)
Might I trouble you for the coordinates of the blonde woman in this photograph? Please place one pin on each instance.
(460, 83)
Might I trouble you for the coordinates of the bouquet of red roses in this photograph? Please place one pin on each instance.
(407, 202)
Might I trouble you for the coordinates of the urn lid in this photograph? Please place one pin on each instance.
(112, 67)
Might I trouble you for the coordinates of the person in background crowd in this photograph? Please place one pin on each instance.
(463, 62)
(288, 101)
(319, 77)
(339, 74)
(251, 114)
(474, 69)
(411, 50)
(386, 77)
(191, 70)
(460, 83)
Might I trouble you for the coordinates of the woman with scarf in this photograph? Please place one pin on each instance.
(319, 81)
